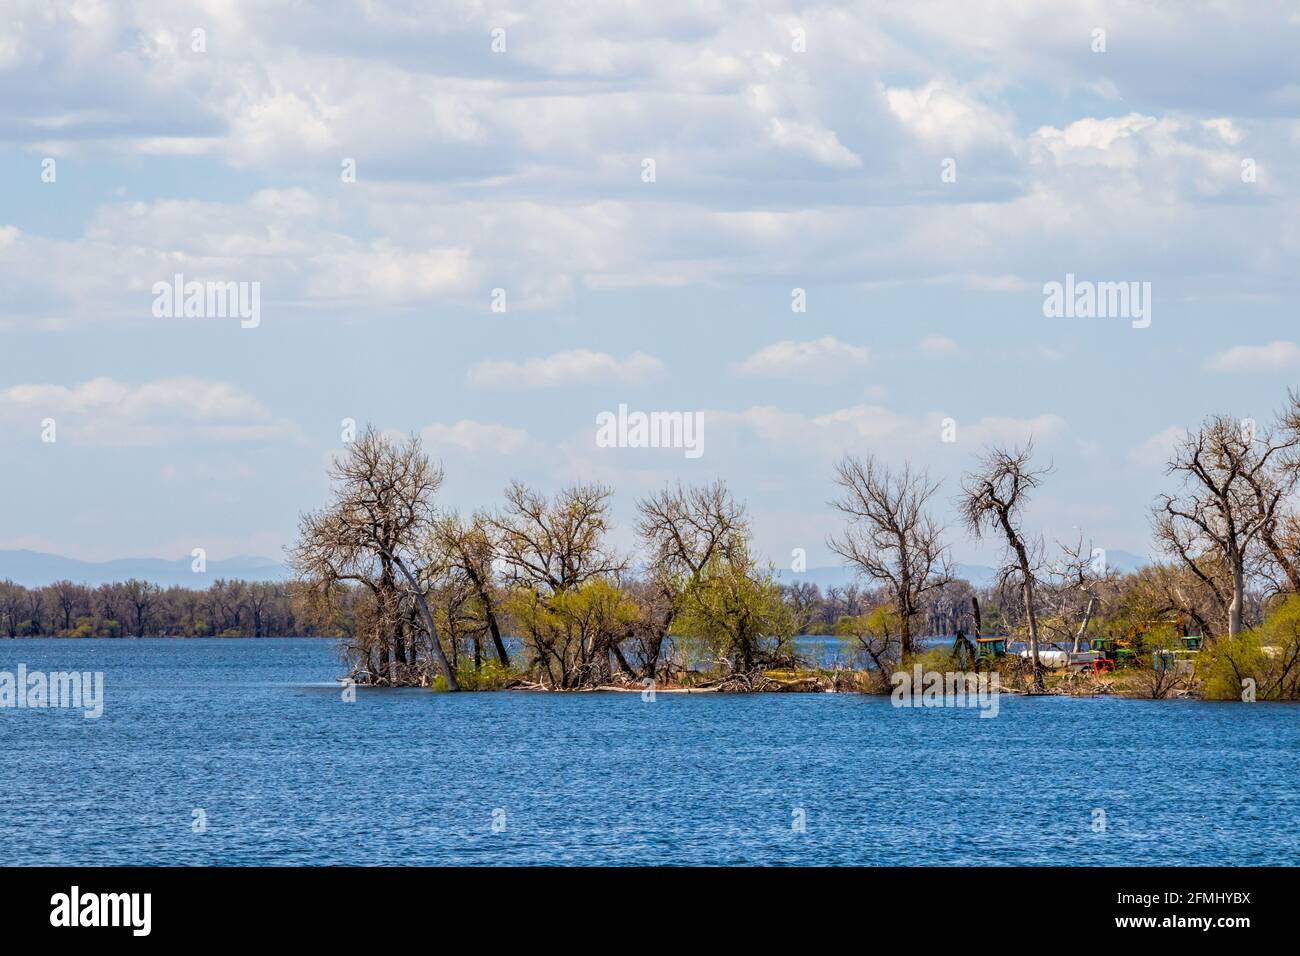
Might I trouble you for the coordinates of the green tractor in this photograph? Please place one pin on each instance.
(988, 651)
(983, 654)
(1119, 651)
(1180, 662)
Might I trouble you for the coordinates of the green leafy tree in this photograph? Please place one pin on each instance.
(1263, 662)
(734, 613)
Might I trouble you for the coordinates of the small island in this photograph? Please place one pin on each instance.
(531, 594)
(424, 597)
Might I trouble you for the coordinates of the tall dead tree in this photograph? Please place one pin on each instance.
(1280, 536)
(372, 532)
(1233, 491)
(891, 538)
(994, 499)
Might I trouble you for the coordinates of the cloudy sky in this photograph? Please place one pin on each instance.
(791, 147)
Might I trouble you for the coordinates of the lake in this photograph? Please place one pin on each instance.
(252, 739)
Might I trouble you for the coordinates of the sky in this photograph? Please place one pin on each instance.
(644, 186)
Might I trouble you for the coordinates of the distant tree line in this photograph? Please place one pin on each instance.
(141, 609)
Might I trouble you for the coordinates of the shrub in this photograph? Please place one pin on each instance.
(1268, 655)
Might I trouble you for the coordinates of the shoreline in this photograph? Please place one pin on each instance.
(1126, 684)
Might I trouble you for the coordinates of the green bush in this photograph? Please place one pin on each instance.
(1268, 655)
(490, 675)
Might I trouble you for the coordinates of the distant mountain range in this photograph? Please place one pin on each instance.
(979, 575)
(34, 569)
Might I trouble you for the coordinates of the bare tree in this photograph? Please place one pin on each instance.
(141, 596)
(1164, 591)
(450, 596)
(563, 594)
(993, 500)
(11, 607)
(1232, 490)
(891, 538)
(684, 529)
(372, 532)
(259, 600)
(947, 610)
(225, 599)
(1074, 590)
(847, 601)
(112, 605)
(469, 546)
(556, 544)
(69, 597)
(35, 608)
(804, 599)
(1280, 558)
(1280, 533)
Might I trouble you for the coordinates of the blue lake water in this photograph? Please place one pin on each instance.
(256, 735)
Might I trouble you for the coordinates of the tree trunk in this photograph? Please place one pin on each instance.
(623, 665)
(1087, 617)
(500, 646)
(652, 660)
(1027, 591)
(1238, 597)
(436, 644)
(399, 639)
(1283, 560)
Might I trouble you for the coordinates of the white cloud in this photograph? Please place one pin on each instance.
(1007, 430)
(826, 357)
(892, 433)
(1156, 450)
(947, 115)
(1170, 156)
(776, 168)
(938, 345)
(577, 367)
(873, 423)
(823, 145)
(103, 411)
(1273, 357)
(1110, 141)
(393, 274)
(475, 436)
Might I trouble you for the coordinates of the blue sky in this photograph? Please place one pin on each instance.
(775, 168)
